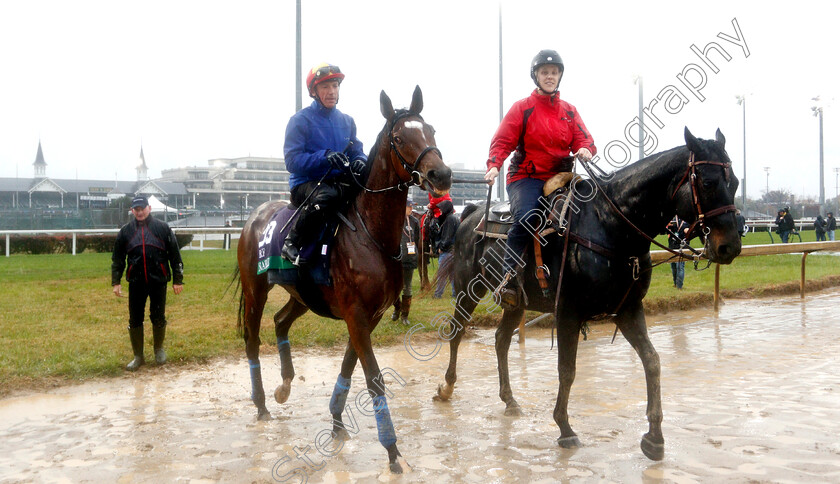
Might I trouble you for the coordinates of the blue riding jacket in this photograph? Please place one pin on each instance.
(311, 133)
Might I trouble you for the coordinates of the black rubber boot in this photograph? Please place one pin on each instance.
(396, 314)
(404, 309)
(136, 336)
(159, 333)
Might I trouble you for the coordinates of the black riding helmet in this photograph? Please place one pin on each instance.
(546, 56)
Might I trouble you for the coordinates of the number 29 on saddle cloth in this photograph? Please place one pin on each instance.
(282, 271)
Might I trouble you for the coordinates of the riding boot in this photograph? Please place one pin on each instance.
(291, 249)
(159, 334)
(404, 309)
(396, 314)
(136, 336)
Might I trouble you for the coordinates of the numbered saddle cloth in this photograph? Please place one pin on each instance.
(317, 253)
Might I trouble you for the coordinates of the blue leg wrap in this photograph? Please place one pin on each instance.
(387, 435)
(339, 395)
(257, 393)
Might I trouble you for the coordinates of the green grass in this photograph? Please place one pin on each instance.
(60, 320)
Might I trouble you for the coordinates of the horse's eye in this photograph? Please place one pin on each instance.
(398, 140)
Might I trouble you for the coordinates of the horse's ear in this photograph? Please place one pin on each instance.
(720, 139)
(691, 142)
(416, 101)
(385, 106)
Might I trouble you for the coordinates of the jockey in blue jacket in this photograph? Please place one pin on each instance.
(322, 153)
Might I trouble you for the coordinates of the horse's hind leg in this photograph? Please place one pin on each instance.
(631, 321)
(283, 320)
(464, 306)
(253, 304)
(339, 396)
(504, 333)
(567, 345)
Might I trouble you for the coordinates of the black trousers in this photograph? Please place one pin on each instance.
(325, 199)
(138, 292)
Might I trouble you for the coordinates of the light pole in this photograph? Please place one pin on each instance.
(836, 185)
(818, 111)
(638, 80)
(742, 101)
(767, 186)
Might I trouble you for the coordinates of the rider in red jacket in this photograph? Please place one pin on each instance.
(544, 131)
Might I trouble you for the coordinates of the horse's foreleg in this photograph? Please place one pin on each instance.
(339, 395)
(253, 309)
(464, 306)
(504, 333)
(360, 330)
(631, 321)
(283, 320)
(567, 345)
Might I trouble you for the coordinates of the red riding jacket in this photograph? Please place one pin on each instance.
(543, 130)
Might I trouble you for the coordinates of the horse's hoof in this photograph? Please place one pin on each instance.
(281, 394)
(513, 411)
(341, 434)
(444, 392)
(571, 442)
(263, 416)
(653, 448)
(396, 468)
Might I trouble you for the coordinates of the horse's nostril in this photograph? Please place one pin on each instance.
(432, 175)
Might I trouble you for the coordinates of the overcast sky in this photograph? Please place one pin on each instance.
(196, 80)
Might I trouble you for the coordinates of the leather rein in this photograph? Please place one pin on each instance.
(700, 216)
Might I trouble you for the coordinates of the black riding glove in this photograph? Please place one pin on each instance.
(357, 166)
(338, 160)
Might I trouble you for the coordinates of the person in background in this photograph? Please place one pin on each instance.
(741, 222)
(830, 225)
(410, 245)
(677, 230)
(153, 260)
(445, 244)
(784, 221)
(544, 131)
(819, 228)
(322, 153)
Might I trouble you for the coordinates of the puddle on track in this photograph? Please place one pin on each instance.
(749, 394)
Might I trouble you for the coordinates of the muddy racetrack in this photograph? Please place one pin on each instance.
(751, 394)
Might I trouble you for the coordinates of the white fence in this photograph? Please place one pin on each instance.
(206, 233)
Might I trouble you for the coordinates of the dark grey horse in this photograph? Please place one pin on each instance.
(607, 264)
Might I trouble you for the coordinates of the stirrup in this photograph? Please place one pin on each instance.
(291, 253)
(508, 292)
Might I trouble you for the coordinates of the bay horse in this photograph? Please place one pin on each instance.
(365, 266)
(607, 265)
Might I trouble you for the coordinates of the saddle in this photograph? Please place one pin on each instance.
(500, 218)
(307, 278)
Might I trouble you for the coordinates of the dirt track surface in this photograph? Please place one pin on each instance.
(751, 394)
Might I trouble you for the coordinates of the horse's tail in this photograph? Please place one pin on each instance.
(236, 284)
(445, 272)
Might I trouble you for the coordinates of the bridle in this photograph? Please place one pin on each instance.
(700, 216)
(409, 177)
(409, 170)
